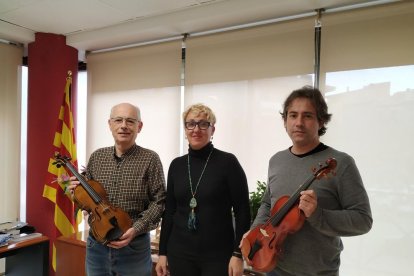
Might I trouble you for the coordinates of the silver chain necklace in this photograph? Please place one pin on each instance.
(193, 202)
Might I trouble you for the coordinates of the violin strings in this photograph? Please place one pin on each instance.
(95, 196)
(288, 204)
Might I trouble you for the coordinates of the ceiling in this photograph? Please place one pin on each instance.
(101, 24)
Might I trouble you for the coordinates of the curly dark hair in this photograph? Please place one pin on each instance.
(317, 100)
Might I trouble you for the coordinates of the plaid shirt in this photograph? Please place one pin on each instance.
(134, 182)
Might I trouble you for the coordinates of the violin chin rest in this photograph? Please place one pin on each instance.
(114, 234)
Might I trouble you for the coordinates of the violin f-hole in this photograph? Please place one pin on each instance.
(272, 239)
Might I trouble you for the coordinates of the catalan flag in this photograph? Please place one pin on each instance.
(55, 187)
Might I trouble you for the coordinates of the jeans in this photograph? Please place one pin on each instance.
(133, 259)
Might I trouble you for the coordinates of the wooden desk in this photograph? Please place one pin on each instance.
(29, 257)
(71, 253)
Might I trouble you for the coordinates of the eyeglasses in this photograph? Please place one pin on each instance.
(201, 125)
(120, 120)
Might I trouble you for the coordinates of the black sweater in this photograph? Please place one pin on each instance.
(223, 188)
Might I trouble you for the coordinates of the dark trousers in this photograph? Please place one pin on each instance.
(179, 266)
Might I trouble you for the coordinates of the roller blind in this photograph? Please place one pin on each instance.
(149, 66)
(282, 49)
(10, 61)
(147, 76)
(368, 38)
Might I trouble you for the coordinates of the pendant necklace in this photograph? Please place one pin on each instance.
(192, 220)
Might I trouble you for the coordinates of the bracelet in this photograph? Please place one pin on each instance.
(237, 254)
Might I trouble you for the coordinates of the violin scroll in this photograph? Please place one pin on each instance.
(61, 160)
(325, 170)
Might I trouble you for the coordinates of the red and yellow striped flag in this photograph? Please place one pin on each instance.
(55, 189)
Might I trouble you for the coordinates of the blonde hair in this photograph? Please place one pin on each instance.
(198, 109)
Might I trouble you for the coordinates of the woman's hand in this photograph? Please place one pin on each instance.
(236, 266)
(161, 268)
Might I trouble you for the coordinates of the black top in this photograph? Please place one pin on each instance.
(223, 188)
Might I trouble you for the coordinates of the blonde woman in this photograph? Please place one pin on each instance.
(204, 189)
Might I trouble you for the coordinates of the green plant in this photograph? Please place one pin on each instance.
(256, 198)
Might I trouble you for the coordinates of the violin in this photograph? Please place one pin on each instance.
(107, 222)
(263, 245)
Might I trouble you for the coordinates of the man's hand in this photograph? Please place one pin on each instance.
(73, 183)
(308, 202)
(125, 239)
